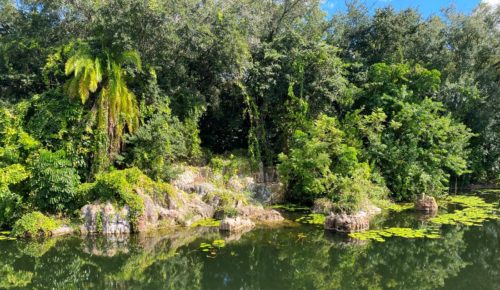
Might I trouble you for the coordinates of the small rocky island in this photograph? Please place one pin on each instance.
(196, 197)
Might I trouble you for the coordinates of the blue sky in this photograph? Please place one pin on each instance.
(426, 7)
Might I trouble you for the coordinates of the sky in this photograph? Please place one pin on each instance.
(426, 7)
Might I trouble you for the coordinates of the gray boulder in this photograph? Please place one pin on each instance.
(236, 224)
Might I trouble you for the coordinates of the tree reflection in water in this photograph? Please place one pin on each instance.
(303, 257)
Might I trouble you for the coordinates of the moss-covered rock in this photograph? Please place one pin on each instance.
(426, 204)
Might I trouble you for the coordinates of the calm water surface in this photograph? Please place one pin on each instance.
(279, 258)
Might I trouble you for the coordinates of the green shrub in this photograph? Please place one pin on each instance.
(320, 164)
(34, 224)
(10, 202)
(422, 148)
(226, 198)
(15, 144)
(217, 164)
(230, 166)
(229, 211)
(119, 186)
(163, 140)
(54, 182)
(10, 206)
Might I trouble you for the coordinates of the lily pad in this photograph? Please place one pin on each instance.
(219, 243)
(399, 207)
(313, 219)
(212, 248)
(205, 245)
(408, 233)
(474, 212)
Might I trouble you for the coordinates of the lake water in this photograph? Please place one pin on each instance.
(297, 256)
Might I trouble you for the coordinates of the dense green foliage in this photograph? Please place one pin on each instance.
(350, 108)
(34, 224)
(54, 182)
(10, 202)
(322, 164)
(119, 186)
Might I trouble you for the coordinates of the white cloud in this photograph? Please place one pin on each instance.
(492, 2)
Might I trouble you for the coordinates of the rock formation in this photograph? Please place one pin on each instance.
(426, 204)
(348, 223)
(236, 224)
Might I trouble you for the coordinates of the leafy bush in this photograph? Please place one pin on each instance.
(56, 122)
(414, 143)
(217, 165)
(225, 198)
(34, 224)
(15, 143)
(54, 182)
(231, 166)
(10, 202)
(229, 211)
(120, 186)
(423, 148)
(161, 141)
(10, 206)
(320, 164)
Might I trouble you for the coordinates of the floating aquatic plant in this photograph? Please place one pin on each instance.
(205, 247)
(212, 248)
(474, 212)
(313, 219)
(207, 222)
(470, 201)
(399, 207)
(290, 207)
(219, 243)
(408, 233)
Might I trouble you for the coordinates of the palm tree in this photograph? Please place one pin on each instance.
(101, 79)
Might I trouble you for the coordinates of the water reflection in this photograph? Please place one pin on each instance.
(303, 257)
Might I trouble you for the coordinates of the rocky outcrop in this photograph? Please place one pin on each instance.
(194, 181)
(258, 213)
(106, 219)
(348, 223)
(190, 199)
(372, 210)
(426, 204)
(61, 231)
(269, 193)
(150, 215)
(264, 184)
(236, 224)
(182, 209)
(238, 184)
(191, 208)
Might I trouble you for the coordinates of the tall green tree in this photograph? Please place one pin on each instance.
(101, 79)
